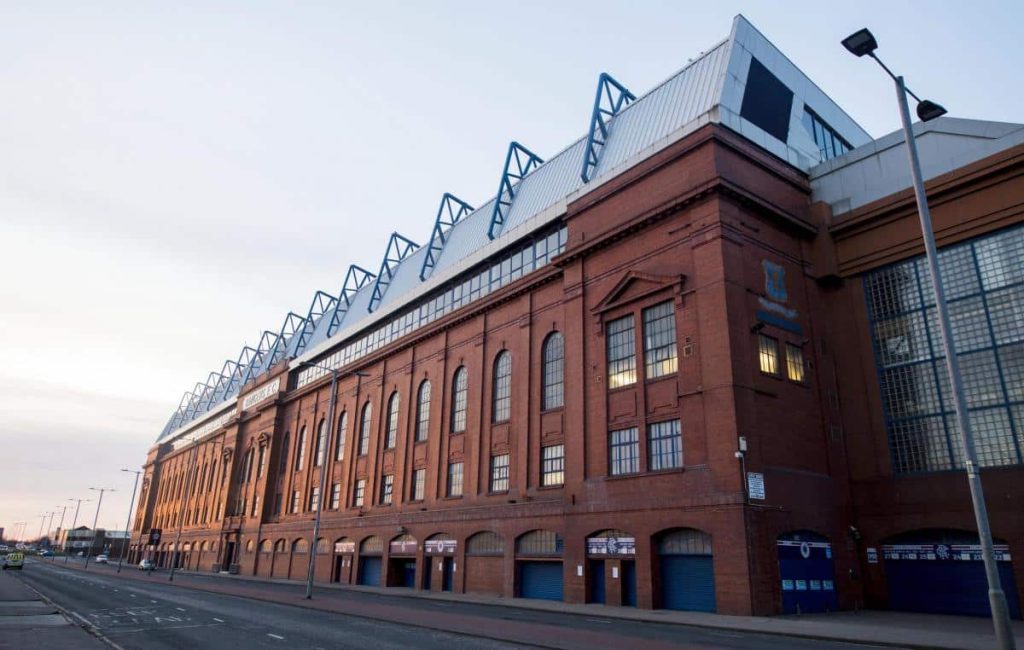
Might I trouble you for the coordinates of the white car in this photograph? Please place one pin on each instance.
(146, 565)
(102, 559)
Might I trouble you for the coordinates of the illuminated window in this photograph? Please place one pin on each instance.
(768, 354)
(553, 377)
(794, 362)
(552, 470)
(502, 395)
(660, 340)
(621, 352)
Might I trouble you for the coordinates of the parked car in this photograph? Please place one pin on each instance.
(102, 559)
(14, 561)
(146, 565)
(46, 553)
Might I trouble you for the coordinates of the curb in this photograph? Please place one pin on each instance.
(72, 618)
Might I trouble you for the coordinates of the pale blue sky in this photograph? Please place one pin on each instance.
(174, 177)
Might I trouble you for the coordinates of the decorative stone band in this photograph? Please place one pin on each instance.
(262, 394)
(203, 431)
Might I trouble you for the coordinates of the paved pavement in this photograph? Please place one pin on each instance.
(26, 620)
(220, 611)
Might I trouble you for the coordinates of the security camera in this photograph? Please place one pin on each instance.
(739, 454)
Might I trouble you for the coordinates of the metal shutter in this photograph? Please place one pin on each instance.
(807, 576)
(688, 583)
(369, 571)
(946, 587)
(540, 580)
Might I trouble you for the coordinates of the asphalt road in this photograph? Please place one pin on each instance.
(154, 614)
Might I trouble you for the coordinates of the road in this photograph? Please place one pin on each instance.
(134, 611)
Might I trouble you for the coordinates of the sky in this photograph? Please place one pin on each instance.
(176, 176)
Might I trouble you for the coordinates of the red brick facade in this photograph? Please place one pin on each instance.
(693, 226)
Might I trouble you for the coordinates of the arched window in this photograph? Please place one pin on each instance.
(284, 453)
(339, 446)
(501, 399)
(321, 443)
(423, 411)
(460, 386)
(392, 432)
(300, 450)
(364, 428)
(553, 377)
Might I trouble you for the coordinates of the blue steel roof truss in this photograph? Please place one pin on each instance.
(449, 213)
(356, 278)
(322, 303)
(525, 162)
(293, 324)
(255, 367)
(611, 97)
(398, 249)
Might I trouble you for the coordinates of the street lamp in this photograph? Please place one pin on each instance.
(73, 524)
(128, 524)
(60, 527)
(322, 451)
(95, 520)
(863, 43)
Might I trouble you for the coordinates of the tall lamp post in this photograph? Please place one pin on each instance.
(131, 506)
(863, 43)
(322, 451)
(60, 527)
(73, 524)
(95, 520)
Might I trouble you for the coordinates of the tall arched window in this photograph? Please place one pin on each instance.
(284, 453)
(321, 443)
(553, 378)
(501, 399)
(392, 437)
(423, 411)
(460, 386)
(339, 446)
(364, 428)
(300, 450)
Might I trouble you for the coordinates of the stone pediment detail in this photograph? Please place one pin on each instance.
(636, 285)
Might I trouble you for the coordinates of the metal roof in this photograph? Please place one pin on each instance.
(708, 89)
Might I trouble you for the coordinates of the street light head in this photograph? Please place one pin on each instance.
(861, 42)
(360, 373)
(929, 110)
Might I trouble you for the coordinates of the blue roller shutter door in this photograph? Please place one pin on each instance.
(541, 580)
(808, 577)
(688, 583)
(409, 573)
(946, 587)
(369, 571)
(597, 581)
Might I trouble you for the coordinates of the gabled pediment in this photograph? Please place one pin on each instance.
(636, 285)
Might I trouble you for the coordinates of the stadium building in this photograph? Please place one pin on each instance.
(689, 362)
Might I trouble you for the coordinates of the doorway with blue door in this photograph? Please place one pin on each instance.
(686, 571)
(439, 551)
(370, 571)
(611, 568)
(402, 562)
(806, 573)
(539, 565)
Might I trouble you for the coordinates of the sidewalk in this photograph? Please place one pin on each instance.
(899, 629)
(29, 621)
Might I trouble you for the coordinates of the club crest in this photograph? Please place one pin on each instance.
(774, 281)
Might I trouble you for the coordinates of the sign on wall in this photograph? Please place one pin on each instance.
(940, 552)
(755, 485)
(611, 545)
(344, 547)
(261, 394)
(403, 546)
(440, 546)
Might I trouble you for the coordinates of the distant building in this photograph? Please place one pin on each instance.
(689, 362)
(111, 542)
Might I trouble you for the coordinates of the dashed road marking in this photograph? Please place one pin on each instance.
(152, 601)
(218, 620)
(278, 637)
(131, 595)
(180, 609)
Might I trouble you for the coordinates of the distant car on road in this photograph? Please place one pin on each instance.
(14, 560)
(102, 559)
(46, 553)
(146, 565)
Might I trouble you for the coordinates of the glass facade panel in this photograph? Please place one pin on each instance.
(985, 291)
(621, 352)
(624, 452)
(660, 340)
(830, 144)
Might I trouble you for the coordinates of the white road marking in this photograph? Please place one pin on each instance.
(279, 638)
(152, 601)
(218, 620)
(180, 609)
(131, 595)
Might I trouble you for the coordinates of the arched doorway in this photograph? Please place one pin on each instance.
(370, 551)
(485, 559)
(807, 573)
(686, 570)
(439, 552)
(300, 557)
(402, 561)
(940, 571)
(611, 568)
(344, 550)
(539, 565)
(280, 560)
